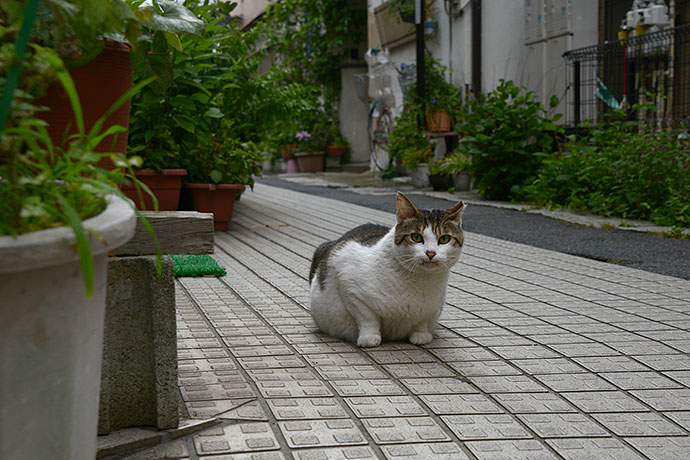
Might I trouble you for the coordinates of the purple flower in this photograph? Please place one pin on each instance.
(433, 101)
(303, 135)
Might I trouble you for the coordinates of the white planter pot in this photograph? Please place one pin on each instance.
(462, 181)
(51, 338)
(420, 176)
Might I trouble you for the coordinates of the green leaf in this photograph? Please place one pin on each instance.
(216, 176)
(175, 18)
(83, 246)
(214, 112)
(184, 123)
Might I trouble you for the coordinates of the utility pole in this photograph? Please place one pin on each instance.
(419, 20)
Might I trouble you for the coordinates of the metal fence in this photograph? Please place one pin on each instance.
(650, 68)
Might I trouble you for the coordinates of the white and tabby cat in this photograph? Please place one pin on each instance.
(378, 283)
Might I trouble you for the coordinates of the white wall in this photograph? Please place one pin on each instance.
(249, 9)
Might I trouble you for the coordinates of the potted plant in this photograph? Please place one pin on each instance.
(218, 173)
(309, 159)
(96, 48)
(61, 215)
(455, 166)
(409, 144)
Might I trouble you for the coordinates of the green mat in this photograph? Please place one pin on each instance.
(196, 265)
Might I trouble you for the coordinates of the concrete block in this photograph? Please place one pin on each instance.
(139, 373)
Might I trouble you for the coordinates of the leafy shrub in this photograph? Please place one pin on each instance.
(619, 171)
(408, 142)
(505, 132)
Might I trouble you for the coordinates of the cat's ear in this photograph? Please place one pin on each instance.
(455, 212)
(405, 209)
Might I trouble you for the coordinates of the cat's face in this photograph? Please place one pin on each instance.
(428, 239)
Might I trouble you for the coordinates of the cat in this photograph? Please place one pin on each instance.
(378, 283)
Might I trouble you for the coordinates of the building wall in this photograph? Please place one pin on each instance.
(249, 10)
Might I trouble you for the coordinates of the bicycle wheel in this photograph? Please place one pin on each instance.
(380, 127)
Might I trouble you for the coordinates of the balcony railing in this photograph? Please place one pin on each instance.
(654, 67)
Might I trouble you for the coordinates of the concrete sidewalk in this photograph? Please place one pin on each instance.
(539, 355)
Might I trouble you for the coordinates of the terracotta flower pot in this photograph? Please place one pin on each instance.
(335, 151)
(310, 161)
(438, 121)
(99, 83)
(216, 198)
(165, 185)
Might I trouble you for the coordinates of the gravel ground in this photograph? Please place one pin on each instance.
(643, 251)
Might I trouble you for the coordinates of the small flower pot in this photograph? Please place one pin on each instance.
(420, 175)
(462, 181)
(216, 198)
(165, 185)
(291, 166)
(310, 161)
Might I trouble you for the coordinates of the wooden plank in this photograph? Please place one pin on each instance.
(178, 232)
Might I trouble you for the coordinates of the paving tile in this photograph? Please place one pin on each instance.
(681, 418)
(337, 359)
(463, 354)
(199, 343)
(375, 387)
(385, 406)
(664, 400)
(230, 390)
(177, 449)
(563, 425)
(593, 448)
(682, 377)
(209, 409)
(252, 340)
(279, 375)
(508, 384)
(449, 342)
(484, 368)
(272, 455)
(336, 453)
(324, 347)
(639, 424)
(452, 404)
(321, 433)
(201, 353)
(439, 385)
(251, 410)
(675, 362)
(243, 437)
(293, 389)
(201, 365)
(668, 448)
(534, 351)
(575, 382)
(533, 403)
(642, 347)
(310, 338)
(639, 380)
(364, 372)
(610, 364)
(572, 350)
(401, 356)
(436, 451)
(404, 430)
(547, 366)
(270, 362)
(419, 370)
(469, 427)
(260, 350)
(510, 450)
(306, 408)
(605, 401)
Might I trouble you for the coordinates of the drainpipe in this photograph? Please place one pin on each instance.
(419, 24)
(476, 46)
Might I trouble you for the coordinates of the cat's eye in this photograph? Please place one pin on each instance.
(416, 238)
(444, 239)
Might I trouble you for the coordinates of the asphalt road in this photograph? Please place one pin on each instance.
(643, 251)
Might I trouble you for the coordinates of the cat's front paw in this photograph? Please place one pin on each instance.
(369, 340)
(421, 338)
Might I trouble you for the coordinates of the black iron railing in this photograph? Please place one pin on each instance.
(651, 68)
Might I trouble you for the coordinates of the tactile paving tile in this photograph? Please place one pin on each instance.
(438, 385)
(639, 380)
(321, 433)
(533, 403)
(252, 340)
(242, 437)
(209, 409)
(404, 430)
(639, 424)
(668, 448)
(228, 390)
(385, 406)
(204, 365)
(605, 448)
(511, 450)
(293, 389)
(336, 453)
(199, 343)
(419, 370)
(508, 384)
(306, 408)
(251, 410)
(468, 427)
(376, 387)
(364, 372)
(201, 353)
(575, 382)
(436, 451)
(563, 425)
(605, 401)
(451, 404)
(270, 362)
(665, 399)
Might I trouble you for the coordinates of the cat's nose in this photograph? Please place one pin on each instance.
(430, 254)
